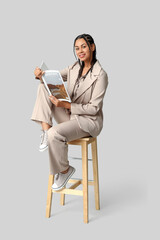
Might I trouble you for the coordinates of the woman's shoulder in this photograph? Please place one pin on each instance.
(103, 73)
(99, 70)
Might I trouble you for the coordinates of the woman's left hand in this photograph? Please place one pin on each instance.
(59, 103)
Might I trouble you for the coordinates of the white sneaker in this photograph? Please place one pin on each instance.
(44, 141)
(61, 179)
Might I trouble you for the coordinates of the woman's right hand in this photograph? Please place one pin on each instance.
(38, 73)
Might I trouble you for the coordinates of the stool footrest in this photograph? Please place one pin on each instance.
(76, 158)
(72, 180)
(69, 191)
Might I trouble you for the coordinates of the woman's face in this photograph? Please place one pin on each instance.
(82, 50)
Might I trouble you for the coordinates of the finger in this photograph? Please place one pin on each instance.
(51, 98)
(40, 73)
(54, 97)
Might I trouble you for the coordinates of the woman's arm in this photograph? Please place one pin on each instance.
(59, 103)
(38, 73)
(64, 73)
(96, 100)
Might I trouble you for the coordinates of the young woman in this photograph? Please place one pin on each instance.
(86, 84)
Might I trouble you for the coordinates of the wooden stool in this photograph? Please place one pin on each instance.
(84, 142)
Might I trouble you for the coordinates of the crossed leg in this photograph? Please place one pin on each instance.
(58, 135)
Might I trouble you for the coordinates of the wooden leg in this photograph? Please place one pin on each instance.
(85, 180)
(95, 173)
(49, 196)
(62, 201)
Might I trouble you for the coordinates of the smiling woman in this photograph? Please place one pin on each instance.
(87, 82)
(85, 49)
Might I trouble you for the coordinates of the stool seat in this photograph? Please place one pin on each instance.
(84, 142)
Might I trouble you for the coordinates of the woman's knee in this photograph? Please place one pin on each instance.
(53, 135)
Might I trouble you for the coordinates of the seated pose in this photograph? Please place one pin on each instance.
(86, 84)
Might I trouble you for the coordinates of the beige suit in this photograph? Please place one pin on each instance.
(85, 118)
(86, 107)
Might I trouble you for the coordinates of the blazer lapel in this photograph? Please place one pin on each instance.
(88, 81)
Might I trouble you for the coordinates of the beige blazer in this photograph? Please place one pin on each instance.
(86, 107)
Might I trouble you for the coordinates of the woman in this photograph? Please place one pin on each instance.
(86, 84)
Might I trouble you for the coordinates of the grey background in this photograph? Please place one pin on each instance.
(126, 34)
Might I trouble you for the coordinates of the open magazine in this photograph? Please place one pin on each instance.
(54, 83)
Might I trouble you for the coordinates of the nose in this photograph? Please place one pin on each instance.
(80, 50)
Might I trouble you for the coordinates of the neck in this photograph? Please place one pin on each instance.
(87, 65)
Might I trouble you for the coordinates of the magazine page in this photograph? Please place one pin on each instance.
(43, 66)
(55, 85)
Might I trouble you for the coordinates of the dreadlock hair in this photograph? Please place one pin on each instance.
(89, 40)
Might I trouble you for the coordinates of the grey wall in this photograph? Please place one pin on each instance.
(126, 34)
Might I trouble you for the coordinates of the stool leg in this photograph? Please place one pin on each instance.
(95, 173)
(85, 180)
(49, 196)
(62, 201)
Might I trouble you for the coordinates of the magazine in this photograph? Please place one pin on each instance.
(54, 83)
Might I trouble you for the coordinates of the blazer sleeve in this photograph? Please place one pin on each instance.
(96, 101)
(64, 74)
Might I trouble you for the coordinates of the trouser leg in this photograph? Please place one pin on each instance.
(58, 136)
(65, 130)
(44, 109)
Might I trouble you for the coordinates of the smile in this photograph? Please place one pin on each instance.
(82, 55)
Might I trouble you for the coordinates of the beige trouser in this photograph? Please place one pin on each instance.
(67, 129)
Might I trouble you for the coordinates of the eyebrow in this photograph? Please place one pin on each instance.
(81, 45)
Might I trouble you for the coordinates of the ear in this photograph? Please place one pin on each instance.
(93, 46)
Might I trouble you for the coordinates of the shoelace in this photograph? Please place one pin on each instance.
(57, 176)
(44, 137)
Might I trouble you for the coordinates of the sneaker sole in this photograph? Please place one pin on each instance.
(42, 150)
(69, 176)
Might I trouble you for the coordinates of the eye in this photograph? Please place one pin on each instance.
(84, 46)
